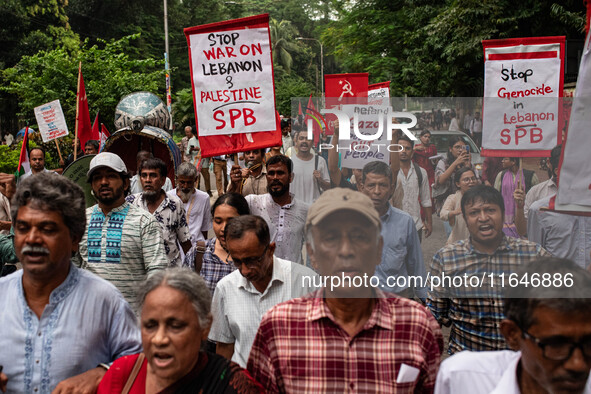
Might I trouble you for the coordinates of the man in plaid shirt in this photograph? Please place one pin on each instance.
(473, 306)
(348, 336)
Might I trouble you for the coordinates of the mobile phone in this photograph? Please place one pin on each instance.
(468, 148)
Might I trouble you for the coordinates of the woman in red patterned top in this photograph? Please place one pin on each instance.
(422, 152)
(175, 319)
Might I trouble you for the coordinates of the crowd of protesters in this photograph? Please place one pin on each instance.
(257, 285)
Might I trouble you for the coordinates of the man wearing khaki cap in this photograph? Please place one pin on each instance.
(347, 336)
(122, 243)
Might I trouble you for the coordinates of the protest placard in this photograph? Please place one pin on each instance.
(379, 93)
(233, 86)
(356, 153)
(523, 78)
(51, 121)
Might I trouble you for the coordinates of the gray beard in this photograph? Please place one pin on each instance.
(185, 196)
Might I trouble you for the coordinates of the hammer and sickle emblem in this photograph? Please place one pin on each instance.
(346, 89)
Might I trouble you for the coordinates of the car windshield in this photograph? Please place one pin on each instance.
(441, 141)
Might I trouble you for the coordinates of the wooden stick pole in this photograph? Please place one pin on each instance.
(77, 112)
(58, 150)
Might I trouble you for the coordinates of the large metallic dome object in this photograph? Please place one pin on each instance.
(140, 109)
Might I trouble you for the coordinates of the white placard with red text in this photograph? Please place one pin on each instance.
(51, 121)
(379, 93)
(523, 78)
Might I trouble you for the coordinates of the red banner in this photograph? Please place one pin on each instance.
(83, 128)
(522, 112)
(233, 86)
(345, 88)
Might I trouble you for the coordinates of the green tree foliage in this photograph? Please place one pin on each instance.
(433, 47)
(109, 74)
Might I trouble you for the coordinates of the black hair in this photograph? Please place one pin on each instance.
(569, 295)
(280, 159)
(154, 163)
(458, 174)
(378, 168)
(37, 147)
(237, 226)
(555, 159)
(94, 143)
(425, 132)
(484, 193)
(235, 200)
(405, 138)
(452, 141)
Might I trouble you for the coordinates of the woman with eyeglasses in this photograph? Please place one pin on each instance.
(464, 179)
(457, 157)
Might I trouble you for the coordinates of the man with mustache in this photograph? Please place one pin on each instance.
(122, 243)
(548, 327)
(195, 201)
(283, 212)
(167, 210)
(472, 308)
(135, 181)
(260, 281)
(60, 326)
(249, 180)
(310, 171)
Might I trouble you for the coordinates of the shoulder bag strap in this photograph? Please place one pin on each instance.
(134, 372)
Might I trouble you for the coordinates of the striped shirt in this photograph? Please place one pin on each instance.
(475, 311)
(300, 348)
(122, 247)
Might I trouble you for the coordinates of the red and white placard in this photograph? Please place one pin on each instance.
(523, 79)
(233, 86)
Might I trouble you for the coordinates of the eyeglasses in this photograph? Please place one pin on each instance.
(249, 261)
(560, 349)
(468, 180)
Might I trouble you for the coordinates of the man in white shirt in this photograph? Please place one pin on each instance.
(310, 170)
(283, 212)
(135, 184)
(260, 282)
(416, 194)
(476, 129)
(195, 201)
(549, 329)
(537, 192)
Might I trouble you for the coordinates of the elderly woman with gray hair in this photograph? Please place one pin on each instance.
(175, 319)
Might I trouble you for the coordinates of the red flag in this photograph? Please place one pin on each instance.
(23, 161)
(300, 108)
(104, 134)
(83, 128)
(345, 88)
(95, 128)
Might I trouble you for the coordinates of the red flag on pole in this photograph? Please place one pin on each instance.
(23, 161)
(300, 108)
(83, 128)
(95, 128)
